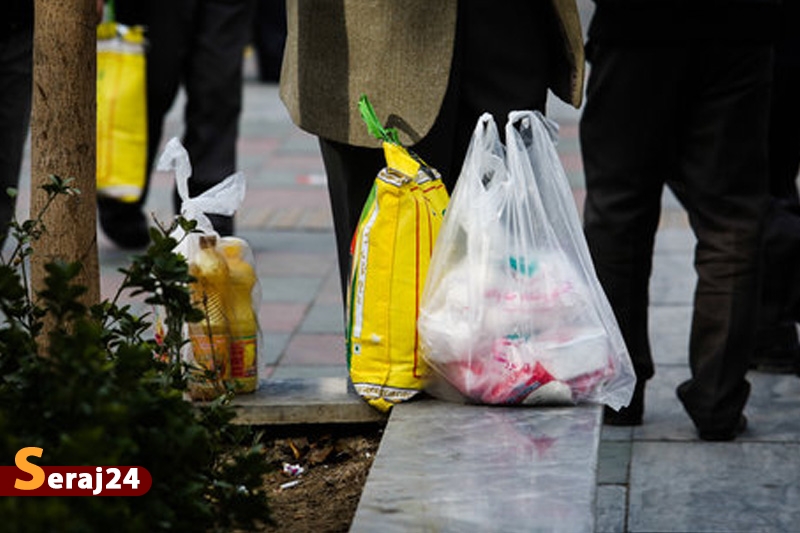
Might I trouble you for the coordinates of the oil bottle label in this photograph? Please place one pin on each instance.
(211, 352)
(243, 357)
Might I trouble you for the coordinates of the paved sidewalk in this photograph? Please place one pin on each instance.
(656, 478)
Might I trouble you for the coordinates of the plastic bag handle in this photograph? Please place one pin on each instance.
(224, 198)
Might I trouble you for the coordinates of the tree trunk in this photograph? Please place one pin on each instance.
(63, 124)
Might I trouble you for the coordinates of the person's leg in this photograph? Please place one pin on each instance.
(777, 346)
(724, 160)
(168, 26)
(269, 36)
(16, 71)
(627, 142)
(214, 94)
(351, 171)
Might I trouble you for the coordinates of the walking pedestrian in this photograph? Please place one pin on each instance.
(197, 45)
(678, 94)
(777, 347)
(16, 74)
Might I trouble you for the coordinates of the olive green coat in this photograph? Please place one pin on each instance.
(337, 50)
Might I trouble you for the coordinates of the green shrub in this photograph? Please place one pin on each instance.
(99, 396)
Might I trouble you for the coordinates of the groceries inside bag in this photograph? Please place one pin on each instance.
(512, 311)
(223, 350)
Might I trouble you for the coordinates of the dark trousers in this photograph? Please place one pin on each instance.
(780, 302)
(694, 117)
(197, 44)
(484, 77)
(16, 73)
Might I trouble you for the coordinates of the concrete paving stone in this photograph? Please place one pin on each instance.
(290, 372)
(714, 487)
(301, 162)
(286, 289)
(286, 219)
(299, 142)
(318, 219)
(315, 349)
(674, 239)
(274, 345)
(572, 163)
(613, 462)
(616, 433)
(330, 291)
(773, 409)
(313, 243)
(673, 218)
(664, 416)
(673, 279)
(324, 318)
(281, 317)
(310, 400)
(256, 146)
(255, 171)
(307, 197)
(450, 467)
(277, 263)
(264, 125)
(611, 508)
(669, 333)
(255, 219)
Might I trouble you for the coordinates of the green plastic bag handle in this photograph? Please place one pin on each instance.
(374, 125)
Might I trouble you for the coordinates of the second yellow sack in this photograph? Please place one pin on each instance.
(121, 112)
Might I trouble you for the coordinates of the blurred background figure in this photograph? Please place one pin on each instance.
(16, 73)
(777, 347)
(678, 94)
(269, 37)
(197, 45)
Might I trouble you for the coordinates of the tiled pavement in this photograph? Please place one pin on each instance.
(656, 478)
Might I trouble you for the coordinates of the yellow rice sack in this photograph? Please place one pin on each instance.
(391, 251)
(121, 112)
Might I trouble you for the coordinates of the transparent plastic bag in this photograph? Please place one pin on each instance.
(229, 342)
(512, 310)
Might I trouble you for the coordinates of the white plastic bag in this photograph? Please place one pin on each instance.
(512, 310)
(224, 198)
(229, 342)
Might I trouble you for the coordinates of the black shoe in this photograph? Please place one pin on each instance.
(123, 223)
(717, 435)
(632, 414)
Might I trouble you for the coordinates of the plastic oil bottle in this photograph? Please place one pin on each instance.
(210, 338)
(242, 318)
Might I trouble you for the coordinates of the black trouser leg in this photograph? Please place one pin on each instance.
(16, 72)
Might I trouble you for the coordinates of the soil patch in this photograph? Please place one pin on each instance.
(319, 474)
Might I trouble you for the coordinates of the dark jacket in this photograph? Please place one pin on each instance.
(17, 13)
(338, 49)
(675, 21)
